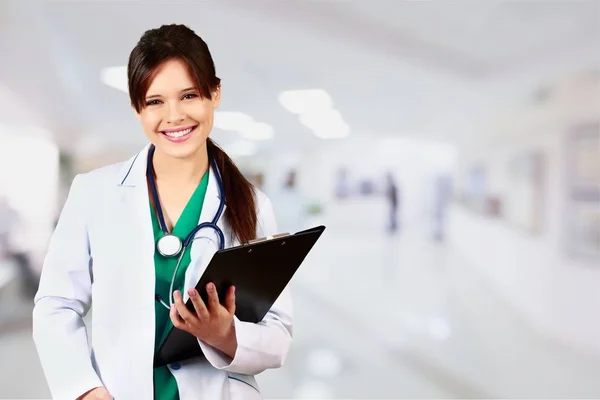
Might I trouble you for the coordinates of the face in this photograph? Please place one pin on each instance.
(175, 118)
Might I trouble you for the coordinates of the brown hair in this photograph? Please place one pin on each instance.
(180, 42)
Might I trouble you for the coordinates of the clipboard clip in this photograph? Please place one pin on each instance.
(266, 238)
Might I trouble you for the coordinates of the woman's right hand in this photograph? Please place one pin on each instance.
(98, 393)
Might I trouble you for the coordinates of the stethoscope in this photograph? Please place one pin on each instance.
(170, 245)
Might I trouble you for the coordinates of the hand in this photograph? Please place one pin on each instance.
(98, 393)
(212, 324)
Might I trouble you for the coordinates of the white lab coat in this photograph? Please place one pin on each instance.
(102, 253)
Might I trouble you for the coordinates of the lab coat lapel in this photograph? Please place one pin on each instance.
(135, 203)
(207, 240)
(133, 228)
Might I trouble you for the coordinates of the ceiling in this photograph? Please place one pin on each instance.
(424, 69)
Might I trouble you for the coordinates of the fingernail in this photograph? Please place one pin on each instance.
(211, 286)
(192, 292)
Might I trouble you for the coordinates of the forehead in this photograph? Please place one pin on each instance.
(170, 77)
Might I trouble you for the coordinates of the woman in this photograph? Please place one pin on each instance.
(104, 250)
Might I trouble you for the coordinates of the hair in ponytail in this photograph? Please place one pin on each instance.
(169, 42)
(239, 195)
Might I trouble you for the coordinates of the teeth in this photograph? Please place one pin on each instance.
(177, 134)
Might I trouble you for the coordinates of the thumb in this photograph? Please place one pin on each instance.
(230, 300)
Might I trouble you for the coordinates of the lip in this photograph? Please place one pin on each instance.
(180, 138)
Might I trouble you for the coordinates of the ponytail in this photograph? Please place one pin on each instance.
(239, 195)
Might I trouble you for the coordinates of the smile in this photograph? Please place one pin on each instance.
(178, 135)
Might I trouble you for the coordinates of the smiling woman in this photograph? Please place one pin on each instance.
(179, 183)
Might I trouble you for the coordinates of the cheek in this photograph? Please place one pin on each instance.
(200, 112)
(150, 123)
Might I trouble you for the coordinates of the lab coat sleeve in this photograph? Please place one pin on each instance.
(266, 344)
(63, 298)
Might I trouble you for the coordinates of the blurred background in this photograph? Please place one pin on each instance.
(452, 148)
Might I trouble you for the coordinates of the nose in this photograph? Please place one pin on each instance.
(175, 114)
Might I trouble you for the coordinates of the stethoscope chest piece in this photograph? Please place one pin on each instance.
(169, 245)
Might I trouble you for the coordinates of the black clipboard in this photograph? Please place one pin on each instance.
(245, 266)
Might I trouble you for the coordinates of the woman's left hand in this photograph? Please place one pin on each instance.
(213, 324)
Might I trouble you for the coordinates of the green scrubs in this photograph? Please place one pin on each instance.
(165, 385)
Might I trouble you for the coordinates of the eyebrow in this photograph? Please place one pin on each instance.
(182, 91)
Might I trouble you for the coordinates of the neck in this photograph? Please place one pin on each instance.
(180, 171)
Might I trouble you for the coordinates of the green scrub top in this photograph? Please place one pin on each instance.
(165, 385)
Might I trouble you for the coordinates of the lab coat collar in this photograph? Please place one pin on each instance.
(133, 173)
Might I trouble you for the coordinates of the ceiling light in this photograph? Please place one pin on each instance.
(327, 124)
(241, 148)
(115, 77)
(332, 132)
(232, 120)
(257, 131)
(305, 101)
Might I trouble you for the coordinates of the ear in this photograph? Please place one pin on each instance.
(216, 96)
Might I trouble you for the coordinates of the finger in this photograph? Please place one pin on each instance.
(199, 306)
(105, 395)
(176, 319)
(183, 311)
(230, 300)
(213, 297)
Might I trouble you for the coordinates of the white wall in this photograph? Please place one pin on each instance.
(558, 295)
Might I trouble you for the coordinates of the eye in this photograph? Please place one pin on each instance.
(189, 96)
(152, 102)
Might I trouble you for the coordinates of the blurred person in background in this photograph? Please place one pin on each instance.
(442, 197)
(122, 228)
(392, 194)
(342, 189)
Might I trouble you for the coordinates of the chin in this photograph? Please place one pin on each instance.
(184, 150)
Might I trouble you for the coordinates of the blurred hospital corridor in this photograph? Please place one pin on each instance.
(451, 149)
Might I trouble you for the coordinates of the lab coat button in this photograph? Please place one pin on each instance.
(175, 366)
